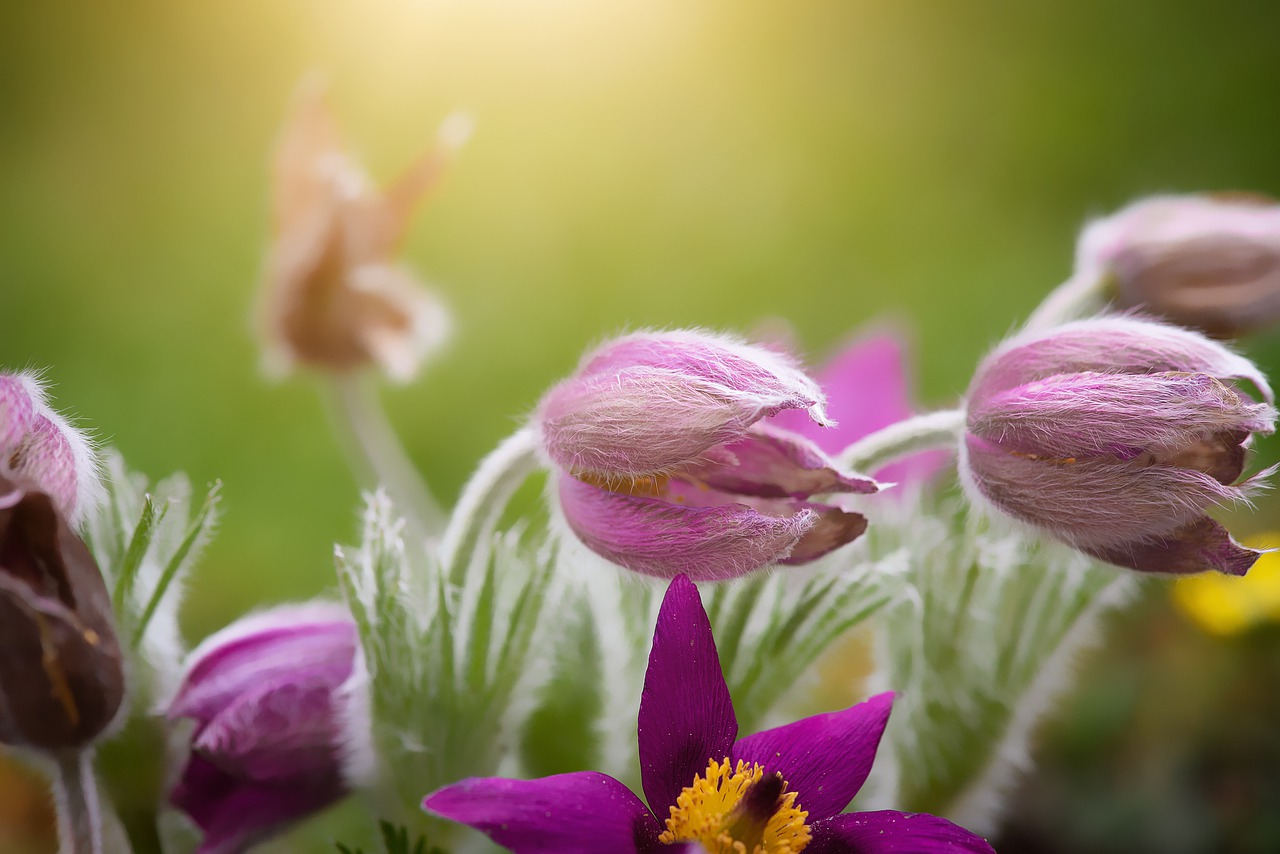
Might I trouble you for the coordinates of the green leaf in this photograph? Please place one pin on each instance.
(139, 543)
(561, 734)
(178, 562)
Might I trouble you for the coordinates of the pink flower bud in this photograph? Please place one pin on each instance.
(281, 723)
(1116, 436)
(665, 469)
(1208, 262)
(39, 448)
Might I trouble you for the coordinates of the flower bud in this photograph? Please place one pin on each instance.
(39, 448)
(1207, 262)
(664, 468)
(61, 672)
(1116, 436)
(334, 298)
(281, 723)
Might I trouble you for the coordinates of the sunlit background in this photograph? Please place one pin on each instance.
(635, 162)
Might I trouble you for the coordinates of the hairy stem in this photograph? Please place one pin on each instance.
(76, 793)
(1078, 296)
(484, 498)
(925, 432)
(377, 456)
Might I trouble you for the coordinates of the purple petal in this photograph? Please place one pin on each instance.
(686, 716)
(271, 648)
(638, 422)
(235, 814)
(647, 404)
(767, 375)
(890, 832)
(833, 528)
(1091, 502)
(1109, 344)
(1090, 414)
(769, 462)
(825, 759)
(16, 412)
(277, 731)
(582, 813)
(664, 539)
(868, 387)
(1198, 546)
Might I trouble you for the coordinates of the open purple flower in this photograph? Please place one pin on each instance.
(280, 723)
(777, 792)
(869, 388)
(1116, 435)
(664, 468)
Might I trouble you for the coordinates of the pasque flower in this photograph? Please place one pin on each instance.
(61, 669)
(1210, 262)
(334, 297)
(664, 467)
(281, 723)
(40, 449)
(777, 792)
(1116, 435)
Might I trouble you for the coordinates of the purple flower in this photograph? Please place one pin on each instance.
(867, 384)
(38, 447)
(277, 698)
(777, 792)
(665, 469)
(1210, 262)
(1116, 435)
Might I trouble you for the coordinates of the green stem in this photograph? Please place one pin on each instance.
(377, 456)
(1079, 296)
(925, 432)
(484, 498)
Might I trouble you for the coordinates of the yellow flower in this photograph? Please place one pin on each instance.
(1227, 605)
(334, 297)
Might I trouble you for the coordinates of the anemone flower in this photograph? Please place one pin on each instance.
(1116, 435)
(777, 792)
(665, 467)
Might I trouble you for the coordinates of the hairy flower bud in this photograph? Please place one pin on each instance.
(38, 447)
(664, 468)
(1207, 262)
(334, 298)
(281, 717)
(1115, 435)
(61, 671)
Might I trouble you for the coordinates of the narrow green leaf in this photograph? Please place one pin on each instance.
(481, 633)
(127, 574)
(176, 563)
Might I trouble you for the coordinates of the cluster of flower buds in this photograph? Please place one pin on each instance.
(665, 467)
(61, 672)
(281, 723)
(1208, 262)
(1116, 436)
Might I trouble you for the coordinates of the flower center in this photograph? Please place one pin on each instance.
(738, 810)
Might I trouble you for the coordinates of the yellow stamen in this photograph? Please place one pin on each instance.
(650, 485)
(706, 812)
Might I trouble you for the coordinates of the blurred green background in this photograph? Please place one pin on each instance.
(636, 162)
